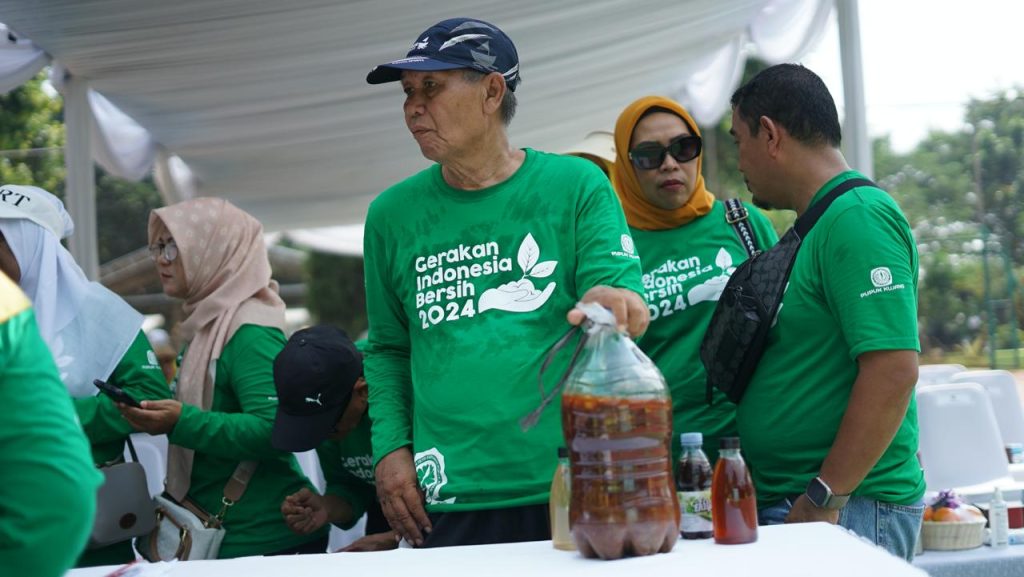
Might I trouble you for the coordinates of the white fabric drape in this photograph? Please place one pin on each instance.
(265, 103)
(20, 60)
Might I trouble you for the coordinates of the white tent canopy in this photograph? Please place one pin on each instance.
(265, 102)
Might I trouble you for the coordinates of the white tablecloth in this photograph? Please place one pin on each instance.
(981, 562)
(809, 550)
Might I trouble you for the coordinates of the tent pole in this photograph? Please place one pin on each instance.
(80, 188)
(856, 144)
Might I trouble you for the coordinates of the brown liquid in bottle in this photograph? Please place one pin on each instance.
(623, 499)
(733, 499)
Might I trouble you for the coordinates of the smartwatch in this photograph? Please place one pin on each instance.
(821, 496)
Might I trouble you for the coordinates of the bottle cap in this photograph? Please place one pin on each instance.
(691, 439)
(997, 495)
(563, 453)
(729, 443)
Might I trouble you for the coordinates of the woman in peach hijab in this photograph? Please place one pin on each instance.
(687, 251)
(211, 254)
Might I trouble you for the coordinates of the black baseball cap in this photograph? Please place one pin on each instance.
(456, 43)
(314, 374)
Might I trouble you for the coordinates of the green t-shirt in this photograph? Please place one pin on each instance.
(237, 428)
(348, 469)
(48, 483)
(852, 290)
(685, 270)
(466, 291)
(138, 373)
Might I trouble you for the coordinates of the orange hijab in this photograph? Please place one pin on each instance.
(227, 273)
(640, 213)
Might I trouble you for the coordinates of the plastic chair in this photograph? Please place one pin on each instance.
(152, 451)
(1002, 391)
(937, 374)
(961, 447)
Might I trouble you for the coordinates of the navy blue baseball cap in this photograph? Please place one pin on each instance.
(315, 374)
(456, 43)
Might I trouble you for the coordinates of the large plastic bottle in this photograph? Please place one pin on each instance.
(733, 499)
(617, 421)
(561, 490)
(693, 483)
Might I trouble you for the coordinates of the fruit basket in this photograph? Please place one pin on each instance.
(937, 536)
(950, 524)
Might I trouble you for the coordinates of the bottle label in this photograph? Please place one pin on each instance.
(695, 507)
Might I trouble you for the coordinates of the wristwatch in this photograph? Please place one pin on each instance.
(821, 496)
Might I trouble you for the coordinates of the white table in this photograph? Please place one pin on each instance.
(809, 550)
(981, 561)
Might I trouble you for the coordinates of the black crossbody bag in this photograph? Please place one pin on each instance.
(738, 332)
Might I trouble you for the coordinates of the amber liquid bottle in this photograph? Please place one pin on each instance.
(561, 490)
(733, 500)
(693, 485)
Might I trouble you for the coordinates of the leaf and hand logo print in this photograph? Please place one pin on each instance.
(711, 289)
(522, 296)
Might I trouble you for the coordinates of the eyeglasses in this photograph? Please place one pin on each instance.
(168, 251)
(650, 155)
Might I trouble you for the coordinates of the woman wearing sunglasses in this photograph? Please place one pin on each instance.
(91, 332)
(211, 255)
(687, 250)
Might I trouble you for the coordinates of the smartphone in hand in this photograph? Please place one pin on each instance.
(117, 393)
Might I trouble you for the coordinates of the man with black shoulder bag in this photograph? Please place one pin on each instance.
(816, 339)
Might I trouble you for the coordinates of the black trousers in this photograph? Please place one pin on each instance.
(511, 525)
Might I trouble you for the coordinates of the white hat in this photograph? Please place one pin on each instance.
(598, 146)
(35, 204)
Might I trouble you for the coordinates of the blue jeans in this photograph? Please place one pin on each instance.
(893, 527)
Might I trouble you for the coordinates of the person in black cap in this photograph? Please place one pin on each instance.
(472, 268)
(322, 404)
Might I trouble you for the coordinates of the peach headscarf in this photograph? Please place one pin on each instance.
(227, 273)
(639, 212)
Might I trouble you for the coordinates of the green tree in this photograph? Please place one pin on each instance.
(336, 291)
(31, 137)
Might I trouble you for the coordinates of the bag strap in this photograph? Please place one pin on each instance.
(803, 224)
(131, 449)
(234, 489)
(736, 214)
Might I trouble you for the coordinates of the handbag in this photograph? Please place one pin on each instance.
(738, 332)
(185, 531)
(123, 507)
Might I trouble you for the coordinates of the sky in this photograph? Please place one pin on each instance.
(924, 60)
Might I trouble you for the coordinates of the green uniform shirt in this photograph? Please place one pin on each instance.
(685, 270)
(138, 373)
(853, 289)
(237, 428)
(348, 469)
(466, 291)
(48, 483)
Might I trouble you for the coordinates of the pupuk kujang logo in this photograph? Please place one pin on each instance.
(881, 277)
(431, 475)
(627, 244)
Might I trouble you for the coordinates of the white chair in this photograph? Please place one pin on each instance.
(152, 452)
(961, 447)
(1002, 391)
(937, 374)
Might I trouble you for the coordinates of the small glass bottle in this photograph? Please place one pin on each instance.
(998, 521)
(733, 499)
(561, 490)
(693, 486)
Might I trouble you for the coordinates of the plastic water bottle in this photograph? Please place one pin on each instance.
(998, 521)
(693, 483)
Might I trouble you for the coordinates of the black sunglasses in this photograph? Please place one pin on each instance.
(650, 155)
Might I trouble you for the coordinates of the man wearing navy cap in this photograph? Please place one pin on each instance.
(322, 404)
(471, 268)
